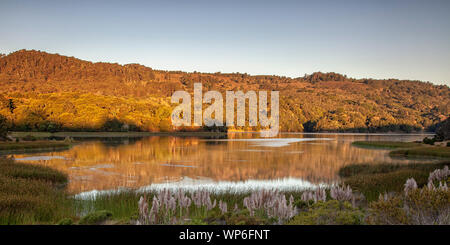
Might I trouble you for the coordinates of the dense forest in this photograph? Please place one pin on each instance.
(50, 92)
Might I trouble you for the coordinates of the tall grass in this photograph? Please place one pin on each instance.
(373, 180)
(32, 194)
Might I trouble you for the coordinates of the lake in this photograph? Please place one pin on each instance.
(237, 162)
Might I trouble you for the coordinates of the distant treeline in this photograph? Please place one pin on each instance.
(50, 92)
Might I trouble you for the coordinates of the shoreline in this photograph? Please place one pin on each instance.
(185, 134)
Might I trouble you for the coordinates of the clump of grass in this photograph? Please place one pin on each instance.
(331, 212)
(123, 205)
(443, 152)
(385, 144)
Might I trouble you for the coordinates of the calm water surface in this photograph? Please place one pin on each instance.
(240, 161)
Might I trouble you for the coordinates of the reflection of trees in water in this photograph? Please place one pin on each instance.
(94, 165)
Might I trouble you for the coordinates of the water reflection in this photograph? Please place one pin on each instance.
(240, 160)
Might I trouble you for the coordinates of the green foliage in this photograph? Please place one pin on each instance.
(330, 212)
(448, 144)
(95, 218)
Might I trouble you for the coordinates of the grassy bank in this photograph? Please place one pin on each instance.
(385, 144)
(424, 151)
(9, 147)
(113, 134)
(407, 149)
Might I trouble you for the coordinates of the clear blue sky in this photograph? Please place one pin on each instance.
(377, 39)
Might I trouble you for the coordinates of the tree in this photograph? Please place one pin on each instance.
(3, 128)
(443, 132)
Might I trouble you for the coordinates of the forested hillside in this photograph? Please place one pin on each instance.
(51, 92)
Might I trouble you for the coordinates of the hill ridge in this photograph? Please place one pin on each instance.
(315, 102)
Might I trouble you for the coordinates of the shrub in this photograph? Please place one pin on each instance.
(65, 221)
(29, 138)
(448, 144)
(95, 218)
(329, 213)
(424, 206)
(429, 141)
